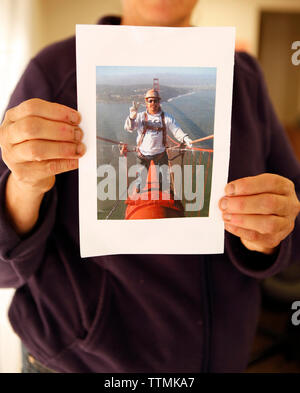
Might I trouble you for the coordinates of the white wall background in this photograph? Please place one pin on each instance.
(244, 14)
(14, 43)
(28, 25)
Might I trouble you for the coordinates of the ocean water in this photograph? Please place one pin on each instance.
(194, 112)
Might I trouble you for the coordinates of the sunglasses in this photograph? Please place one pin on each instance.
(153, 100)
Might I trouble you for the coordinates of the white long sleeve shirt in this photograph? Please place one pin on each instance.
(153, 140)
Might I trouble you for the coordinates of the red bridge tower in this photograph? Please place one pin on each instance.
(156, 84)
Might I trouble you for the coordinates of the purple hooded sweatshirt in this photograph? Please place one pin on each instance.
(140, 313)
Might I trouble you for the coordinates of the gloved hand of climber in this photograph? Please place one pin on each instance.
(133, 110)
(187, 140)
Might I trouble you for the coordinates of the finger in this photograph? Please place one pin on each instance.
(37, 150)
(39, 128)
(256, 204)
(45, 109)
(258, 240)
(41, 170)
(246, 234)
(264, 224)
(56, 167)
(264, 183)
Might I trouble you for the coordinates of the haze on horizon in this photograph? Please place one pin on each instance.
(188, 76)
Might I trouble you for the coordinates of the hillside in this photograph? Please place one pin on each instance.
(128, 93)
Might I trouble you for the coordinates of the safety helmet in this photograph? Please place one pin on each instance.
(152, 93)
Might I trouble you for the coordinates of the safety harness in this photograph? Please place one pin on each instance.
(153, 128)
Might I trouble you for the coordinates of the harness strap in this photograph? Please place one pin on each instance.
(162, 129)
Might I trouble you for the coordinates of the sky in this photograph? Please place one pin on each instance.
(128, 75)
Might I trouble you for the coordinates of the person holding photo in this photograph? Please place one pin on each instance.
(137, 313)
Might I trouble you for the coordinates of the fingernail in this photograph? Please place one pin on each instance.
(224, 204)
(227, 217)
(74, 117)
(77, 134)
(230, 189)
(80, 149)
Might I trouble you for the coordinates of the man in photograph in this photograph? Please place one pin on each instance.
(152, 127)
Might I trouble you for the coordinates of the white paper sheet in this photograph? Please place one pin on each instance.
(117, 65)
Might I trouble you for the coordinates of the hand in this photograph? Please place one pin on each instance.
(38, 140)
(260, 210)
(133, 110)
(188, 142)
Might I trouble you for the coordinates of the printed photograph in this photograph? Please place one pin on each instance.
(155, 141)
